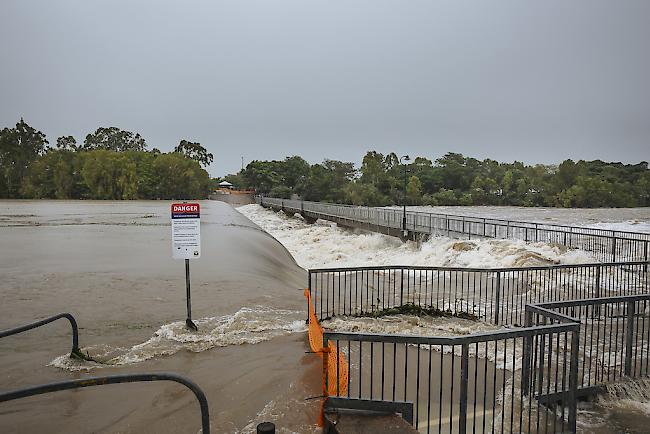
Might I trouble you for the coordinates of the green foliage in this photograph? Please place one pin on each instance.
(195, 151)
(114, 139)
(454, 180)
(67, 143)
(109, 175)
(114, 164)
(414, 190)
(281, 191)
(19, 147)
(178, 177)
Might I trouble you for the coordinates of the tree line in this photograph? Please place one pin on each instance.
(110, 164)
(452, 179)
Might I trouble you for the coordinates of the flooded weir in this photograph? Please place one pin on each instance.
(492, 354)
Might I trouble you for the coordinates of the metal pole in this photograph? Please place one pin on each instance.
(497, 300)
(190, 324)
(573, 380)
(528, 355)
(629, 338)
(464, 368)
(404, 203)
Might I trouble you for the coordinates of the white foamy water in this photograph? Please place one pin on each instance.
(323, 244)
(246, 326)
(617, 219)
(408, 325)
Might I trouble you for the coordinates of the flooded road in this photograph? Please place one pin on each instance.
(109, 264)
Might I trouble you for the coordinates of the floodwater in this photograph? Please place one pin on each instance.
(109, 264)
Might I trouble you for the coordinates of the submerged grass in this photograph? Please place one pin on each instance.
(415, 310)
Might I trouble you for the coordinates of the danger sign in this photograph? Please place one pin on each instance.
(186, 230)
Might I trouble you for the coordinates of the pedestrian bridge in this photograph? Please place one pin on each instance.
(604, 244)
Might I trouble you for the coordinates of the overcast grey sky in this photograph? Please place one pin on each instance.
(536, 81)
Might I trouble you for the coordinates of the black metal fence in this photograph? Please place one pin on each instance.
(614, 336)
(466, 383)
(604, 244)
(497, 296)
(524, 380)
(115, 379)
(74, 352)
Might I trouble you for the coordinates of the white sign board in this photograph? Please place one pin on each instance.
(186, 230)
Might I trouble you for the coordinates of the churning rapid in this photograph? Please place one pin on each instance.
(323, 244)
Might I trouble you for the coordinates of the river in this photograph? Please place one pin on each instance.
(109, 263)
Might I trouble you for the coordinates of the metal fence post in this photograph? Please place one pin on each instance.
(497, 298)
(573, 379)
(401, 288)
(613, 249)
(528, 355)
(464, 368)
(628, 338)
(645, 256)
(596, 310)
(325, 351)
(309, 289)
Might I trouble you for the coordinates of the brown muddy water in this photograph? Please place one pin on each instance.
(109, 264)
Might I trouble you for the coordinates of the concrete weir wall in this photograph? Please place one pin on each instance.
(311, 217)
(234, 199)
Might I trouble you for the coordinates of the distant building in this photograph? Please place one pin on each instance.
(225, 184)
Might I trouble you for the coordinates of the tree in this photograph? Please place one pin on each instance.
(414, 190)
(294, 171)
(195, 151)
(67, 143)
(179, 177)
(53, 175)
(114, 139)
(109, 175)
(19, 147)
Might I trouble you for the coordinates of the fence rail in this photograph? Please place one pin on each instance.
(74, 352)
(604, 244)
(464, 383)
(115, 379)
(497, 296)
(524, 379)
(614, 336)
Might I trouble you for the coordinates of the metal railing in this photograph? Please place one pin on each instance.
(614, 336)
(467, 383)
(497, 296)
(75, 352)
(115, 379)
(525, 379)
(604, 244)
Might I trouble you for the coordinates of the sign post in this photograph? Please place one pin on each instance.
(186, 243)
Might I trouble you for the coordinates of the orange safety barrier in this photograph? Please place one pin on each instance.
(331, 369)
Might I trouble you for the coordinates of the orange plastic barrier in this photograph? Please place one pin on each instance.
(330, 374)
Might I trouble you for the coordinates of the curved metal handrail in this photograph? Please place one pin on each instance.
(75, 352)
(115, 379)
